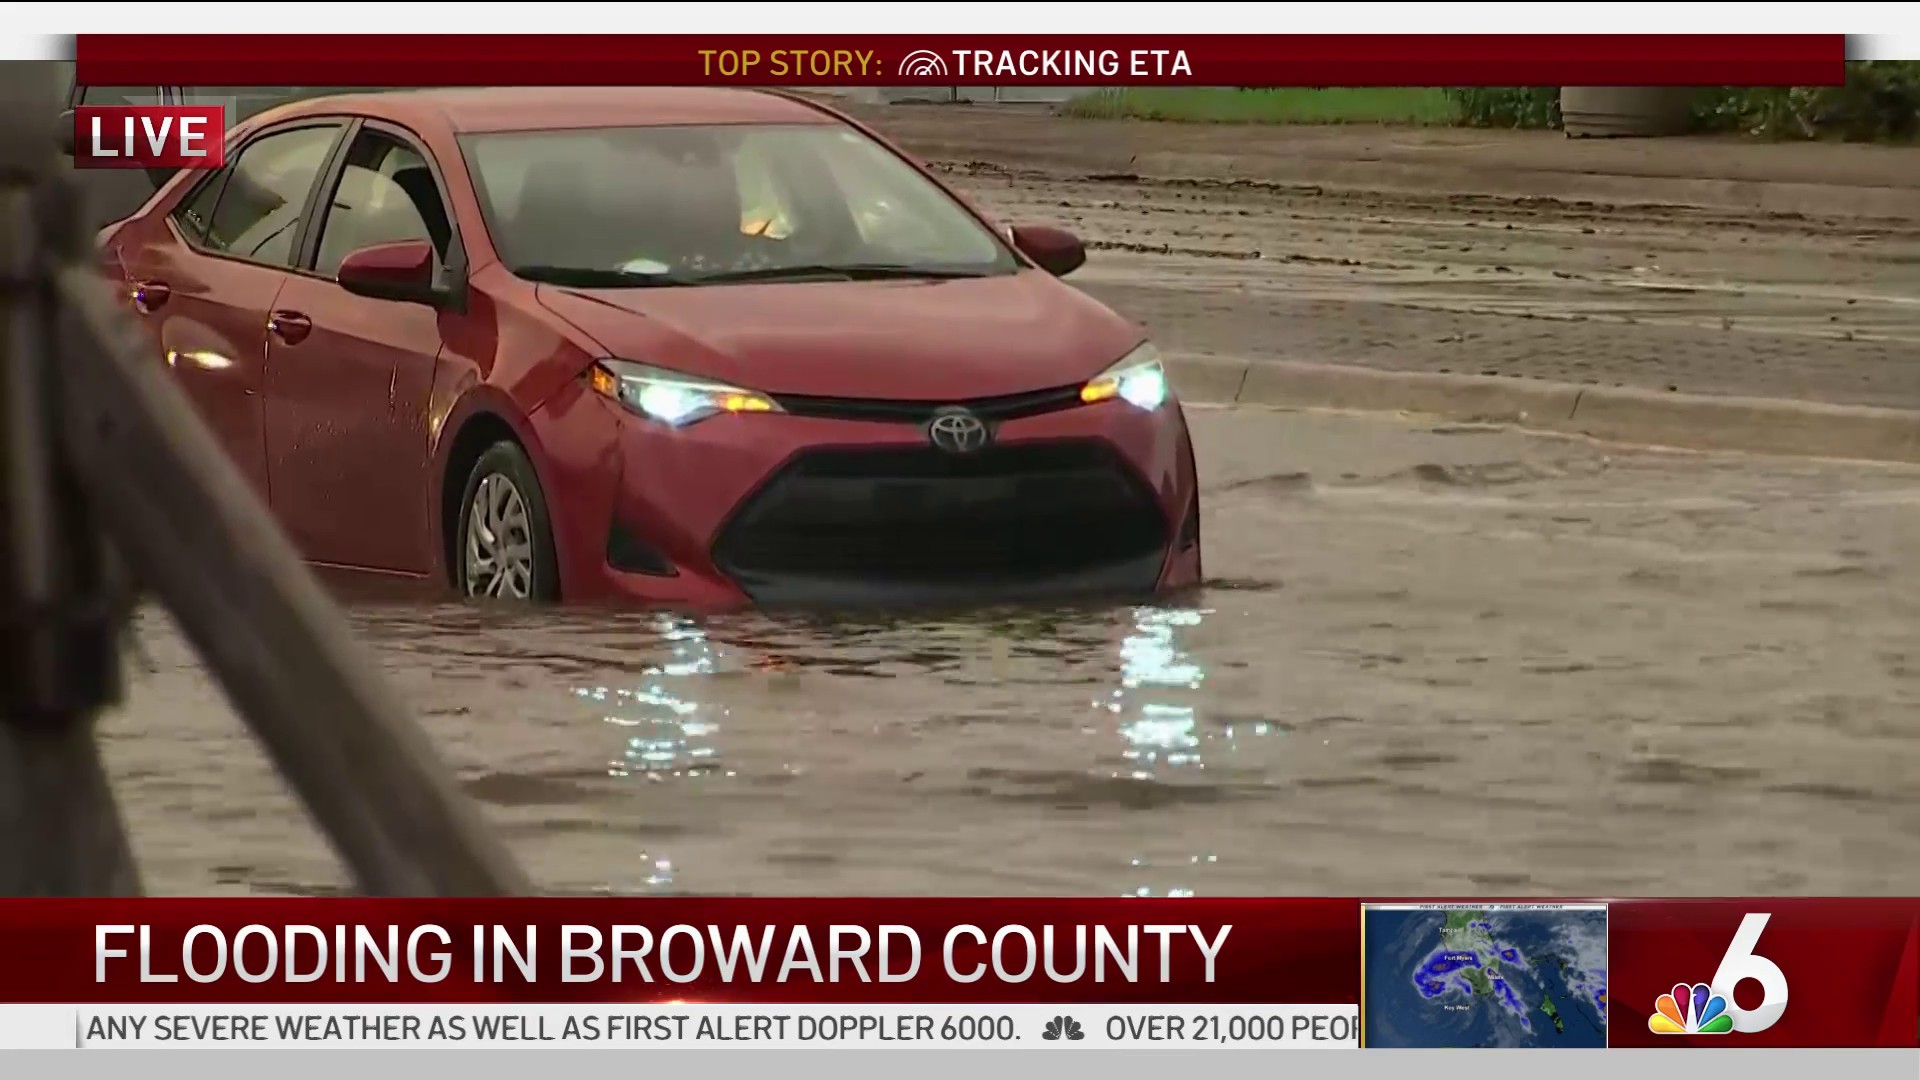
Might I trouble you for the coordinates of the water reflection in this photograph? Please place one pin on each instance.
(669, 713)
(1159, 720)
(667, 733)
(1159, 727)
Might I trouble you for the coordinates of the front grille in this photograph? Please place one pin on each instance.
(993, 410)
(1025, 514)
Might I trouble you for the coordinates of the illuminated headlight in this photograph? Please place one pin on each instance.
(1138, 379)
(670, 397)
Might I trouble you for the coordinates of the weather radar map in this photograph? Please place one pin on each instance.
(1529, 975)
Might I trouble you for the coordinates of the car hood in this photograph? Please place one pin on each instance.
(902, 340)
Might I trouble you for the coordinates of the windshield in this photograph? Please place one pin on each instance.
(682, 205)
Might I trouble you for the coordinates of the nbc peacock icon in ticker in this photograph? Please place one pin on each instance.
(1690, 1010)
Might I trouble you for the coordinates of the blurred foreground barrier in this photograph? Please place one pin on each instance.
(107, 481)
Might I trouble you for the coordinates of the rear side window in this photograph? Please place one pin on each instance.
(195, 212)
(257, 213)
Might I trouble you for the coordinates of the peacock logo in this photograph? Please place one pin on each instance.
(1690, 1010)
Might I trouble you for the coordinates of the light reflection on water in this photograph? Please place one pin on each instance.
(1159, 727)
(666, 732)
(1159, 715)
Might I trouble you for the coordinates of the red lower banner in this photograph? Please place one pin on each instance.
(1670, 973)
(713, 950)
(1852, 967)
(1250, 60)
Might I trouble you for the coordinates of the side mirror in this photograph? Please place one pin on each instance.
(64, 134)
(1057, 251)
(403, 270)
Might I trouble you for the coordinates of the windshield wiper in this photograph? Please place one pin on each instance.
(849, 271)
(587, 277)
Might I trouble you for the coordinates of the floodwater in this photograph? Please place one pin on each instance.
(1434, 661)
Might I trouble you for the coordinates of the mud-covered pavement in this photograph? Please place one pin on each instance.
(1434, 661)
(1824, 308)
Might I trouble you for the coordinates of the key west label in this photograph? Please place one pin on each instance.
(149, 136)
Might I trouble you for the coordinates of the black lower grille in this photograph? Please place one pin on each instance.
(993, 410)
(626, 551)
(1023, 515)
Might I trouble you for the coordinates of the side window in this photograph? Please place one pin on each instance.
(258, 211)
(195, 212)
(386, 194)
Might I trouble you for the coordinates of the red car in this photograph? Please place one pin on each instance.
(682, 346)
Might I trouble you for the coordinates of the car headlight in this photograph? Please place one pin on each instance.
(1138, 379)
(671, 397)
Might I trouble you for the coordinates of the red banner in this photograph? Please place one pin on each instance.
(964, 60)
(1822, 973)
(1667, 973)
(705, 950)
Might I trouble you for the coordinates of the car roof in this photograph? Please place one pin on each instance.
(544, 108)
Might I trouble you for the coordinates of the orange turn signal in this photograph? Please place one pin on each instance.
(604, 382)
(746, 403)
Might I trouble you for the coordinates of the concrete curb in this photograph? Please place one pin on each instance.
(1645, 417)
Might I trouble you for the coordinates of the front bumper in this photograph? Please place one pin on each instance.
(846, 510)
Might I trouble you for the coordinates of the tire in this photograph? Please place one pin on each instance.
(514, 513)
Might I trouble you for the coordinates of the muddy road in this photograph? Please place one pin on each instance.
(1432, 661)
(1703, 301)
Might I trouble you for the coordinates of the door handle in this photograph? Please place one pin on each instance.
(289, 326)
(148, 296)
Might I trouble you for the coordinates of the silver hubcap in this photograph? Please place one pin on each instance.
(499, 541)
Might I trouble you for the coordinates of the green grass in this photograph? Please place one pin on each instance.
(1280, 105)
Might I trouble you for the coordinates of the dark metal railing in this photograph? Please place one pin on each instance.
(111, 488)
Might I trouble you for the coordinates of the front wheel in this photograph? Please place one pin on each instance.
(506, 541)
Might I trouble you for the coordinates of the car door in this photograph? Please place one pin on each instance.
(350, 378)
(203, 277)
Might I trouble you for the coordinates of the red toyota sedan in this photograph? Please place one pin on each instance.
(680, 346)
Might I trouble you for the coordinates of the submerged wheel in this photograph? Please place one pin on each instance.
(506, 541)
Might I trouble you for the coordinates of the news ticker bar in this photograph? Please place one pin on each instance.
(1760, 972)
(868, 59)
(848, 1063)
(677, 1026)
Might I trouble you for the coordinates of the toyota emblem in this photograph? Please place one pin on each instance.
(957, 431)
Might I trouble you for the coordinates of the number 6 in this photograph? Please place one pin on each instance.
(1741, 963)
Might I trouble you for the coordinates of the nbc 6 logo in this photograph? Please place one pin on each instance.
(1741, 963)
(1709, 1009)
